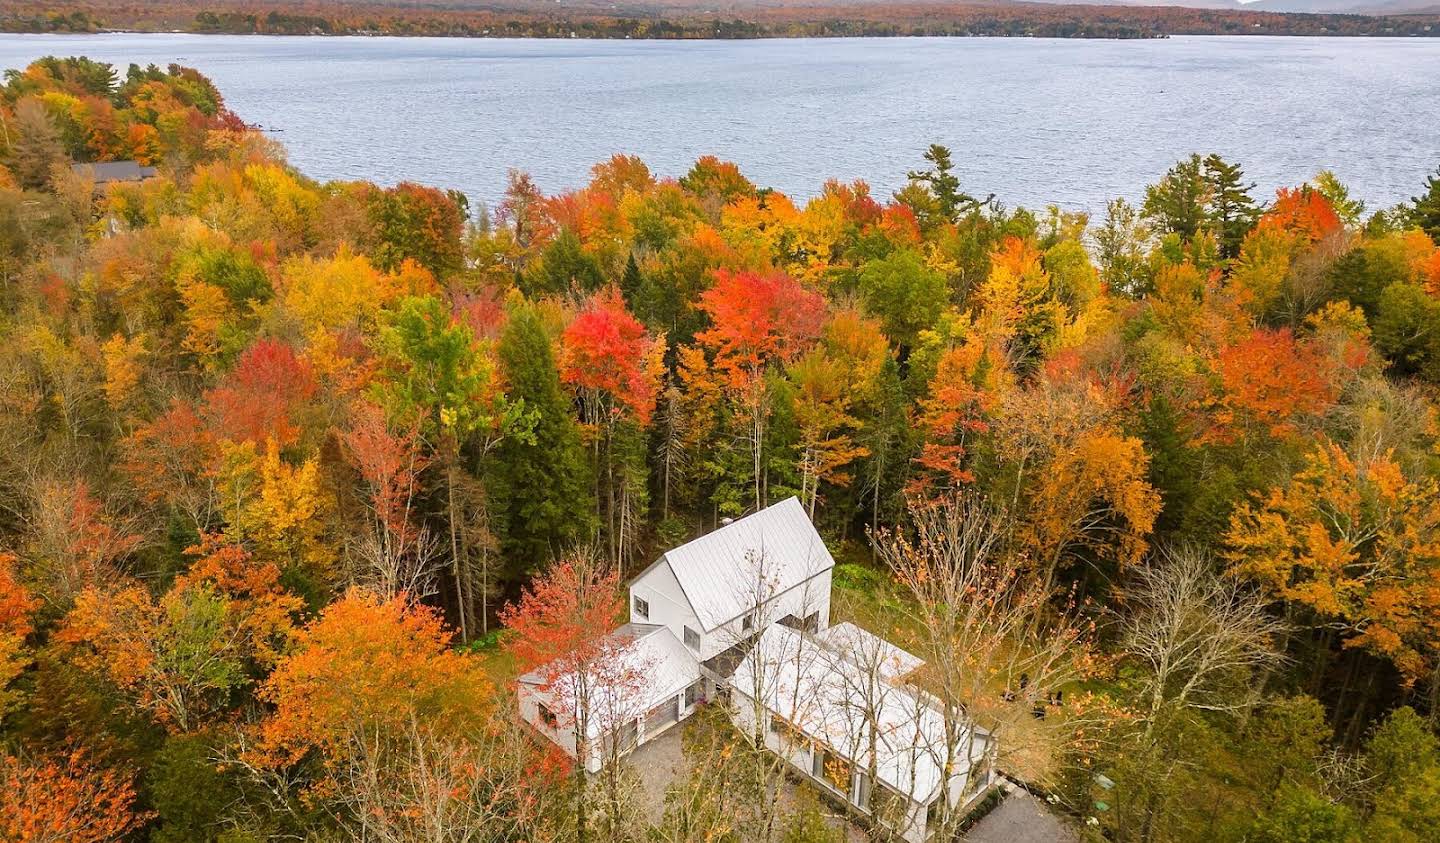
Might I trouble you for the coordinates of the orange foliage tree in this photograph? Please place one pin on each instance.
(65, 800)
(397, 549)
(403, 737)
(17, 606)
(1354, 542)
(183, 656)
(757, 321)
(76, 543)
(1270, 384)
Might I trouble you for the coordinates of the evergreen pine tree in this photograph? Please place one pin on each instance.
(1176, 203)
(1230, 208)
(630, 282)
(886, 434)
(1425, 211)
(543, 491)
(945, 185)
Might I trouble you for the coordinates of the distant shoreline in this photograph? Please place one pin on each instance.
(892, 20)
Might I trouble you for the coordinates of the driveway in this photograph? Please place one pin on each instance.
(1021, 818)
(661, 762)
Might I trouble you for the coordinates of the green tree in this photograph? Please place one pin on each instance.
(1122, 243)
(944, 185)
(1230, 209)
(1284, 742)
(1424, 211)
(1407, 330)
(904, 293)
(1176, 203)
(564, 266)
(543, 480)
(414, 222)
(190, 790)
(435, 376)
(1301, 815)
(1346, 207)
(886, 434)
(1404, 757)
(1363, 273)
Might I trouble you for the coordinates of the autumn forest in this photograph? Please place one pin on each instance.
(296, 477)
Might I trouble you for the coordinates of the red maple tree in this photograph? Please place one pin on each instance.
(260, 398)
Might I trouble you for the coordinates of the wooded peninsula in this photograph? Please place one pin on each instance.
(677, 19)
(297, 478)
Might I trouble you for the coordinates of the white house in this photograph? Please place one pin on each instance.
(836, 706)
(647, 683)
(743, 614)
(717, 592)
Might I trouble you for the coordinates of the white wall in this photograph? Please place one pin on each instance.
(529, 699)
(742, 714)
(812, 595)
(669, 607)
(562, 735)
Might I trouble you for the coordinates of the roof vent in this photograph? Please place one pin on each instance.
(726, 521)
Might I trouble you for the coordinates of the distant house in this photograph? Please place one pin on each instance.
(108, 172)
(742, 615)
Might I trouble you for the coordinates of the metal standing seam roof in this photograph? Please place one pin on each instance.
(866, 649)
(828, 697)
(770, 551)
(654, 652)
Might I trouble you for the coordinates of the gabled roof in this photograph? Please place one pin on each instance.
(108, 171)
(869, 651)
(652, 652)
(729, 571)
(828, 697)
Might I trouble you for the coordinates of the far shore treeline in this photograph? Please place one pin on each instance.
(296, 478)
(676, 19)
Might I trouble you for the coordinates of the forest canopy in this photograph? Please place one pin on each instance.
(294, 476)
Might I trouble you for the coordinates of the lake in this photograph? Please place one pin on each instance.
(1074, 122)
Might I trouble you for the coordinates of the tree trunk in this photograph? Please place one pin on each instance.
(455, 564)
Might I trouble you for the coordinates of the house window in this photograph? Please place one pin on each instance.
(887, 804)
(694, 693)
(629, 735)
(692, 639)
(860, 794)
(777, 726)
(547, 716)
(642, 608)
(831, 769)
(748, 623)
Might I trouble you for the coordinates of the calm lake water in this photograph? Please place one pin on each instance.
(1034, 121)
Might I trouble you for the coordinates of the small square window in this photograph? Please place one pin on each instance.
(692, 639)
(748, 623)
(642, 608)
(547, 716)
